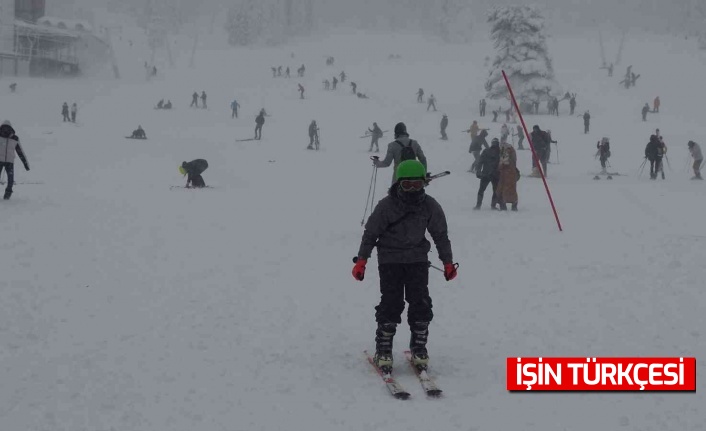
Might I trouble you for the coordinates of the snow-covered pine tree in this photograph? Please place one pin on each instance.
(520, 42)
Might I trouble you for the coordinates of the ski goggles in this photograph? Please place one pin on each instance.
(411, 185)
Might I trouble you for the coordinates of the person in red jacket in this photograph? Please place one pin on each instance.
(9, 145)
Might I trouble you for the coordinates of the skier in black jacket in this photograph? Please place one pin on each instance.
(541, 141)
(654, 151)
(259, 121)
(603, 152)
(194, 169)
(443, 125)
(9, 145)
(477, 144)
(397, 227)
(487, 172)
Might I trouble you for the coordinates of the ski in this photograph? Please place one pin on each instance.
(139, 139)
(190, 188)
(244, 140)
(428, 384)
(396, 389)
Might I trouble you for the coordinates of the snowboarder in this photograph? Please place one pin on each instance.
(506, 192)
(194, 169)
(420, 96)
(301, 91)
(9, 146)
(234, 105)
(74, 111)
(313, 135)
(65, 112)
(645, 110)
(698, 156)
(520, 137)
(194, 100)
(603, 153)
(542, 146)
(443, 125)
(334, 82)
(259, 121)
(401, 149)
(203, 100)
(572, 103)
(504, 133)
(586, 122)
(477, 144)
(343, 76)
(653, 152)
(655, 105)
(431, 102)
(487, 173)
(376, 134)
(139, 133)
(397, 227)
(482, 105)
(327, 85)
(354, 87)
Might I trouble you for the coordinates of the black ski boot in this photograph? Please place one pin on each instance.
(8, 193)
(383, 346)
(514, 206)
(418, 344)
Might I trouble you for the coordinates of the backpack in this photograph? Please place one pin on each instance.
(407, 152)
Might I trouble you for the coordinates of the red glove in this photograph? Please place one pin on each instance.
(359, 269)
(450, 271)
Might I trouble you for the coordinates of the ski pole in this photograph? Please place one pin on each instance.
(557, 152)
(668, 164)
(373, 178)
(641, 168)
(456, 265)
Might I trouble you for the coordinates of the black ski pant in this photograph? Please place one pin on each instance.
(585, 128)
(482, 111)
(194, 102)
(374, 141)
(474, 165)
(10, 169)
(484, 185)
(258, 131)
(520, 139)
(443, 134)
(73, 117)
(603, 160)
(655, 166)
(66, 117)
(400, 282)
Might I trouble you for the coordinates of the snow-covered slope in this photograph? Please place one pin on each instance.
(125, 305)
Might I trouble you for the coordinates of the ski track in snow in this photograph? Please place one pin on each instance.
(127, 306)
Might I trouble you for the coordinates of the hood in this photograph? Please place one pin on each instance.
(6, 129)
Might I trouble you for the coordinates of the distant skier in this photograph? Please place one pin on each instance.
(327, 85)
(698, 157)
(301, 91)
(506, 191)
(487, 173)
(655, 105)
(403, 262)
(504, 133)
(603, 153)
(654, 151)
(555, 106)
(376, 134)
(160, 104)
(362, 96)
(168, 105)
(572, 104)
(420, 96)
(645, 110)
(313, 135)
(334, 83)
(482, 106)
(259, 121)
(279, 71)
(194, 100)
(401, 149)
(139, 133)
(477, 144)
(542, 147)
(520, 137)
(443, 125)
(610, 70)
(9, 146)
(508, 112)
(301, 71)
(586, 122)
(473, 130)
(274, 71)
(234, 105)
(495, 115)
(203, 100)
(194, 169)
(354, 87)
(65, 112)
(74, 111)
(13, 87)
(343, 76)
(431, 102)
(286, 73)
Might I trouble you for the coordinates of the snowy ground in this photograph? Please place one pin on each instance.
(127, 306)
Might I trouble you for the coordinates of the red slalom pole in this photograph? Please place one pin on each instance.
(538, 163)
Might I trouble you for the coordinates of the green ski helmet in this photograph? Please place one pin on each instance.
(410, 169)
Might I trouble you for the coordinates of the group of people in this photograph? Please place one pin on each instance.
(69, 115)
(195, 100)
(162, 105)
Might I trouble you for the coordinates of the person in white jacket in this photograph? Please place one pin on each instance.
(9, 145)
(698, 156)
